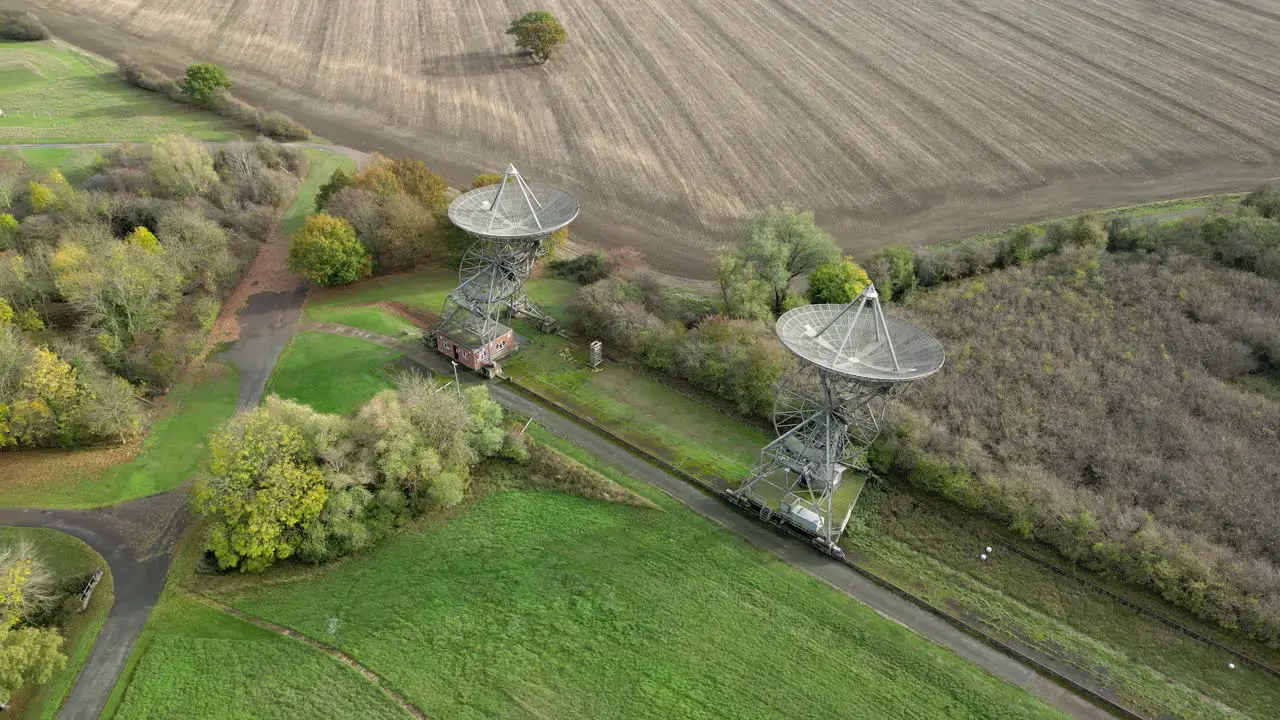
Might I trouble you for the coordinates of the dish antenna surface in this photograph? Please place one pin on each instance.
(853, 360)
(510, 221)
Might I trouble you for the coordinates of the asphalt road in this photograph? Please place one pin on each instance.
(137, 541)
(267, 321)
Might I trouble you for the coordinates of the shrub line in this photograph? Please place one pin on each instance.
(323, 647)
(937, 509)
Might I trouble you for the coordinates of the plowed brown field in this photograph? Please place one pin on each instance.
(906, 120)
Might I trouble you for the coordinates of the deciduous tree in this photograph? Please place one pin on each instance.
(743, 294)
(326, 251)
(261, 488)
(202, 81)
(124, 288)
(782, 245)
(837, 282)
(181, 166)
(338, 180)
(27, 654)
(539, 33)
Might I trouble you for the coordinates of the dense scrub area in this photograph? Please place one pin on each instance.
(1088, 402)
(108, 287)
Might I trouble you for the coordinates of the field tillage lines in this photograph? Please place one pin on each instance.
(895, 121)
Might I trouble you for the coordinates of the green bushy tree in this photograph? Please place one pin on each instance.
(781, 245)
(262, 486)
(326, 251)
(203, 81)
(27, 654)
(837, 282)
(539, 33)
(339, 179)
(181, 166)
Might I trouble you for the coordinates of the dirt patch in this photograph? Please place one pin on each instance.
(417, 316)
(33, 468)
(269, 272)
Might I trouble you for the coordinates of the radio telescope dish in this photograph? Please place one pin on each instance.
(513, 210)
(860, 341)
(853, 360)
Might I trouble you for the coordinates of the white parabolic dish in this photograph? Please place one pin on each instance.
(523, 211)
(843, 340)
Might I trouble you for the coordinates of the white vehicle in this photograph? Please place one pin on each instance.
(807, 518)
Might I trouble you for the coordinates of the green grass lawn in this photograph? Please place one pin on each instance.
(321, 165)
(371, 318)
(51, 92)
(200, 662)
(169, 453)
(699, 437)
(425, 291)
(76, 164)
(1152, 667)
(67, 557)
(543, 605)
(331, 373)
(195, 661)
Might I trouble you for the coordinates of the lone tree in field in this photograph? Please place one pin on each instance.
(539, 33)
(327, 252)
(203, 80)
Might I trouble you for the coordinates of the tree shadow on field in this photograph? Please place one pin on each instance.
(477, 64)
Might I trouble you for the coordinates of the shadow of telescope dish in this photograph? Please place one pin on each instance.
(522, 212)
(860, 343)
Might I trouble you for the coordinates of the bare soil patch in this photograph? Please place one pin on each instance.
(912, 122)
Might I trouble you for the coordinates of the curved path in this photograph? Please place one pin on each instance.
(137, 538)
(137, 541)
(798, 555)
(325, 648)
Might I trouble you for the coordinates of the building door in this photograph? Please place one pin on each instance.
(455, 352)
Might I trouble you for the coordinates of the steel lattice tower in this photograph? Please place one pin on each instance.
(510, 221)
(852, 361)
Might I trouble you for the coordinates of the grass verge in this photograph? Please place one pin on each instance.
(169, 453)
(321, 165)
(697, 436)
(68, 558)
(331, 373)
(1155, 668)
(425, 291)
(540, 604)
(52, 92)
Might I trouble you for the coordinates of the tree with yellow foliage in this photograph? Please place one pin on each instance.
(262, 487)
(27, 654)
